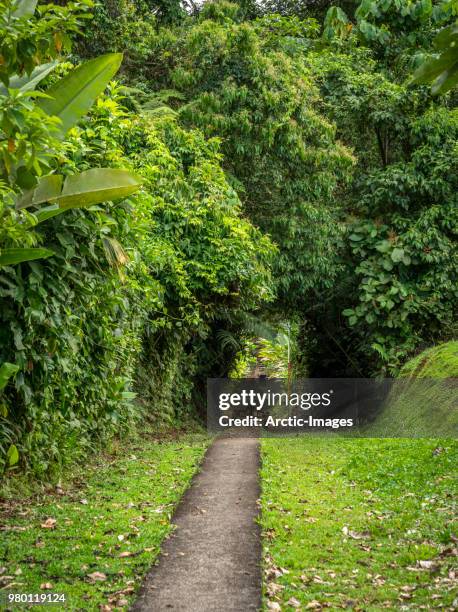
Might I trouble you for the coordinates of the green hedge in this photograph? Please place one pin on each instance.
(132, 291)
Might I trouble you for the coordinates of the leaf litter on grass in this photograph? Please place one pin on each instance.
(377, 541)
(71, 543)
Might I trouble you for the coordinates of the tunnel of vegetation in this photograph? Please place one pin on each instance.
(236, 166)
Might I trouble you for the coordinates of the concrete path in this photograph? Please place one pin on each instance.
(211, 563)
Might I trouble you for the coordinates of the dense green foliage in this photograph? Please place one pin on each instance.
(398, 288)
(236, 82)
(443, 69)
(292, 169)
(132, 290)
(367, 250)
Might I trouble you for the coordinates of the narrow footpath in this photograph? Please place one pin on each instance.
(211, 562)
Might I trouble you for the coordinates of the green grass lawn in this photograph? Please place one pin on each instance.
(362, 524)
(95, 538)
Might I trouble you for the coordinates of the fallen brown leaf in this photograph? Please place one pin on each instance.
(293, 602)
(431, 565)
(273, 588)
(359, 535)
(270, 534)
(97, 576)
(305, 579)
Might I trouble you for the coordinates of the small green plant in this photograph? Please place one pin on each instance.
(273, 356)
(7, 450)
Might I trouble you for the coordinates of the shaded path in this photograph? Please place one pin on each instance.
(211, 562)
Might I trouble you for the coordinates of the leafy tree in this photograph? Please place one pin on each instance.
(305, 8)
(280, 153)
(180, 257)
(32, 124)
(404, 245)
(397, 288)
(255, 86)
(116, 24)
(398, 31)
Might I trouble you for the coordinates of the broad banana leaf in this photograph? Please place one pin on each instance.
(25, 8)
(29, 82)
(90, 187)
(13, 256)
(73, 95)
(6, 372)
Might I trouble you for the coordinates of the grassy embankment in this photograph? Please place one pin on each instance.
(366, 524)
(95, 538)
(426, 401)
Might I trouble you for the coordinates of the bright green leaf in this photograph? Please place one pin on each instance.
(6, 372)
(12, 455)
(355, 237)
(84, 189)
(29, 82)
(25, 8)
(12, 256)
(48, 212)
(383, 246)
(387, 265)
(73, 95)
(397, 255)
